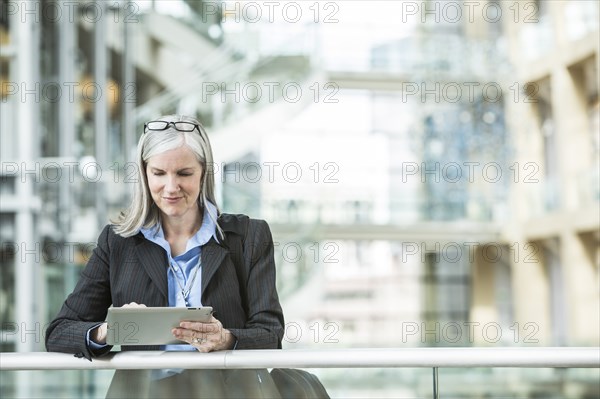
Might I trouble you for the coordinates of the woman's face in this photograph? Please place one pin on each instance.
(174, 179)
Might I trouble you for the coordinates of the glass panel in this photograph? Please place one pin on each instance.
(9, 251)
(342, 383)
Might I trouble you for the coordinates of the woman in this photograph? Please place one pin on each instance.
(169, 249)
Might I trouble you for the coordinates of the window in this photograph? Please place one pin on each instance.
(446, 289)
(558, 306)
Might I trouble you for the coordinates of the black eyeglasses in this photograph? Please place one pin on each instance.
(164, 125)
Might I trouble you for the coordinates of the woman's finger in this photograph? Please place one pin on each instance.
(212, 327)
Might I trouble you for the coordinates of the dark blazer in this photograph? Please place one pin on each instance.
(133, 269)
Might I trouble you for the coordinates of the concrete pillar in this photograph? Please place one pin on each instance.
(580, 270)
(532, 297)
(101, 110)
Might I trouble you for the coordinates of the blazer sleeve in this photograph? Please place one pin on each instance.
(85, 307)
(264, 326)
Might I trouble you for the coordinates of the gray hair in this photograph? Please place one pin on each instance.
(142, 211)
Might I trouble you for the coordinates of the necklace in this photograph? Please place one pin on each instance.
(185, 292)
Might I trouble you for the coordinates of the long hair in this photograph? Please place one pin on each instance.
(142, 211)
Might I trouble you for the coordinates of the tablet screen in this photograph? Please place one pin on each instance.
(150, 326)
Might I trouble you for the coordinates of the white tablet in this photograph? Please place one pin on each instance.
(150, 326)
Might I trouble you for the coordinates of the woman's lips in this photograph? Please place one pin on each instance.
(172, 200)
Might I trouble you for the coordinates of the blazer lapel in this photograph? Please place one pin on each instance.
(212, 256)
(154, 261)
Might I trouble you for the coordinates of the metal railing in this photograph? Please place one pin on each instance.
(539, 357)
(580, 357)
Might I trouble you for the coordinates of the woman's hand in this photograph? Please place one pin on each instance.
(98, 335)
(206, 337)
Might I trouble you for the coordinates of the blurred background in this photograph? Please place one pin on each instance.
(429, 169)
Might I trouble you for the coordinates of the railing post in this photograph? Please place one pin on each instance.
(435, 384)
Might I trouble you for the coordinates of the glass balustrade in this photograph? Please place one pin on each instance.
(354, 382)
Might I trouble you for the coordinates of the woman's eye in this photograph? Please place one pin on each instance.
(179, 173)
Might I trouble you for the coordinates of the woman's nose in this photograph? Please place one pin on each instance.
(172, 184)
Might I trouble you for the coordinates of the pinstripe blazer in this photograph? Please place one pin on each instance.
(133, 269)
